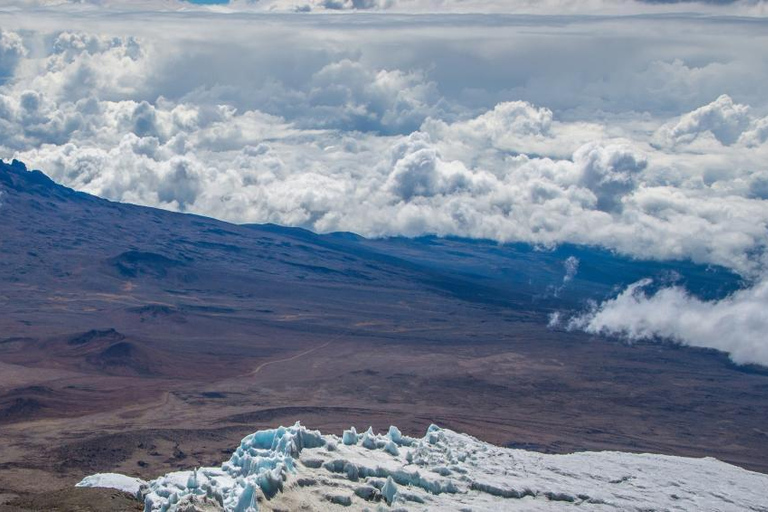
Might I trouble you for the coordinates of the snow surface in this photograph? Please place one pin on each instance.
(293, 468)
(113, 481)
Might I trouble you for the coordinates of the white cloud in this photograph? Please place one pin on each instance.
(571, 265)
(350, 96)
(757, 134)
(609, 172)
(419, 171)
(722, 119)
(735, 325)
(12, 50)
(515, 127)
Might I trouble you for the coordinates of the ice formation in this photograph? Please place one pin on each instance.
(293, 468)
(114, 481)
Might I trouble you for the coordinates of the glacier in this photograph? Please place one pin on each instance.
(295, 468)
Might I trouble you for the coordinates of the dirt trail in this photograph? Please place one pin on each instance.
(301, 354)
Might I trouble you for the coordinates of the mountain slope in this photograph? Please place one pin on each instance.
(142, 341)
(92, 244)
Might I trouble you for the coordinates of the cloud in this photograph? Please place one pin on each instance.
(757, 134)
(12, 50)
(735, 325)
(418, 170)
(515, 127)
(341, 5)
(610, 172)
(722, 119)
(348, 95)
(571, 265)
(498, 6)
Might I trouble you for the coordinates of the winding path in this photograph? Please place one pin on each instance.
(302, 354)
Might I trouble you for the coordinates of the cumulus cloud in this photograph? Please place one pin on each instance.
(419, 171)
(722, 119)
(722, 122)
(735, 325)
(12, 50)
(336, 5)
(609, 172)
(515, 127)
(350, 96)
(757, 134)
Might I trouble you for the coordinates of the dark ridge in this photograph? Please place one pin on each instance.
(122, 356)
(108, 335)
(317, 269)
(217, 246)
(753, 369)
(16, 339)
(213, 394)
(138, 263)
(21, 407)
(36, 390)
(120, 350)
(222, 232)
(207, 309)
(16, 177)
(154, 310)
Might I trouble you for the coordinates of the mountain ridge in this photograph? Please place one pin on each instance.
(389, 249)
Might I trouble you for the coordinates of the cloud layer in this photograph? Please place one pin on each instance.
(640, 127)
(623, 7)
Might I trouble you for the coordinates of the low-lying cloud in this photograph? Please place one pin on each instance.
(735, 325)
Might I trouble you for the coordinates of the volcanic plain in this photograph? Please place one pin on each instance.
(139, 341)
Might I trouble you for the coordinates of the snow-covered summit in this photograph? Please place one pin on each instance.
(293, 468)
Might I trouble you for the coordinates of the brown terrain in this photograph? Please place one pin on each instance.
(141, 341)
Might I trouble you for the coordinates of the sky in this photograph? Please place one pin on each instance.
(641, 127)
